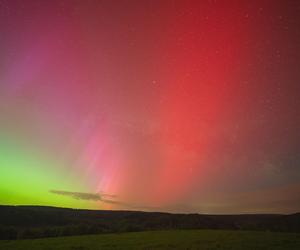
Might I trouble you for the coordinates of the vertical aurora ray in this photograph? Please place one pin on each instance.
(202, 86)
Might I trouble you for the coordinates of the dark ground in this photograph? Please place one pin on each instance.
(24, 222)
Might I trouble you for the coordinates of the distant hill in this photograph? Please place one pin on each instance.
(17, 222)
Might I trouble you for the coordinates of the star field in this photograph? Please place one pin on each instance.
(183, 106)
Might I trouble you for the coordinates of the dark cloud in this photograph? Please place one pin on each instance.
(78, 195)
(106, 198)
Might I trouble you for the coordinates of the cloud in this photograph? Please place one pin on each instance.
(106, 198)
(78, 195)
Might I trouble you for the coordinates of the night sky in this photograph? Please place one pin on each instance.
(181, 106)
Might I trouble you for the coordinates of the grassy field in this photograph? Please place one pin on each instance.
(181, 239)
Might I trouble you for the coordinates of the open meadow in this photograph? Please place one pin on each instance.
(173, 239)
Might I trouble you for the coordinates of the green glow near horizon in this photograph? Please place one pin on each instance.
(26, 179)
